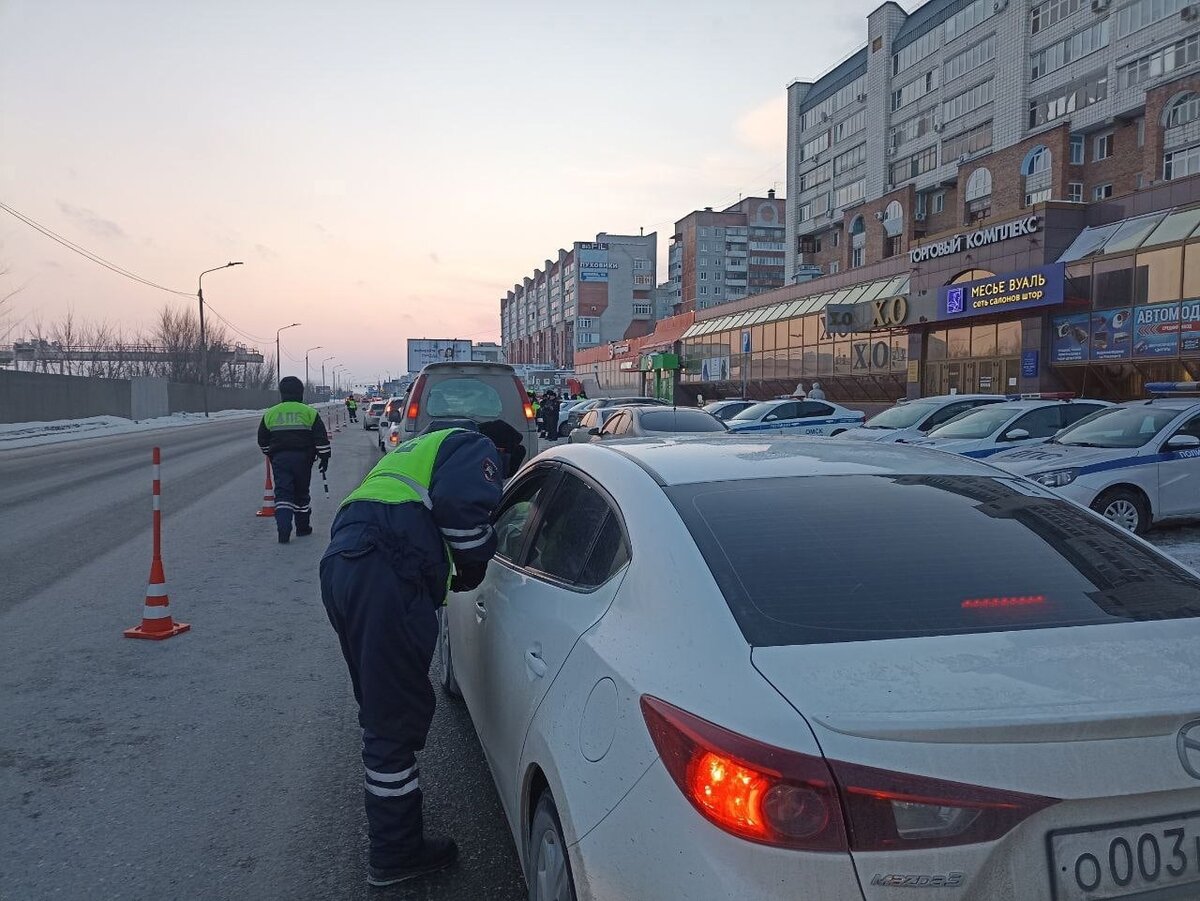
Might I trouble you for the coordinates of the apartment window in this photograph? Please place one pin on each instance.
(848, 194)
(915, 89)
(642, 309)
(1077, 46)
(911, 129)
(804, 212)
(1141, 131)
(921, 206)
(968, 101)
(585, 322)
(1075, 191)
(717, 290)
(1070, 98)
(979, 193)
(1051, 13)
(703, 276)
(703, 246)
(911, 54)
(811, 148)
(703, 232)
(834, 267)
(643, 280)
(917, 164)
(836, 240)
(823, 110)
(718, 231)
(704, 289)
(1102, 192)
(1180, 163)
(939, 201)
(641, 265)
(851, 125)
(852, 158)
(858, 241)
(1139, 15)
(970, 141)
(1183, 110)
(817, 176)
(970, 59)
(1102, 147)
(1161, 62)
(966, 19)
(1076, 150)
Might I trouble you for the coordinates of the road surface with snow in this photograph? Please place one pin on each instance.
(223, 763)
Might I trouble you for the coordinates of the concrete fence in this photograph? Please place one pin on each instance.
(42, 397)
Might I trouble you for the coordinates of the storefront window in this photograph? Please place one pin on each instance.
(768, 336)
(958, 343)
(983, 340)
(794, 329)
(1191, 271)
(810, 360)
(899, 352)
(812, 330)
(1112, 283)
(935, 348)
(1077, 286)
(1008, 339)
(841, 357)
(1158, 275)
(825, 359)
(1175, 227)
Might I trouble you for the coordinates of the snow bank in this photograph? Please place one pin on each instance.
(34, 434)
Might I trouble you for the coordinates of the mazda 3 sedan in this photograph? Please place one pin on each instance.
(783, 668)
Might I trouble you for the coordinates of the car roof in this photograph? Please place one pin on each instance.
(733, 456)
(948, 398)
(1032, 403)
(469, 364)
(1171, 403)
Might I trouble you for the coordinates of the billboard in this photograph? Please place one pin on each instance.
(1112, 334)
(1156, 330)
(423, 351)
(1069, 338)
(1040, 287)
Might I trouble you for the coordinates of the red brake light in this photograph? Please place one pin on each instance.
(779, 797)
(1023, 600)
(414, 402)
(524, 395)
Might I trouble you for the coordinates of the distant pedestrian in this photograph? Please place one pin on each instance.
(816, 393)
(352, 408)
(292, 435)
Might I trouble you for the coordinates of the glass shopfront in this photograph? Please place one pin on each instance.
(972, 359)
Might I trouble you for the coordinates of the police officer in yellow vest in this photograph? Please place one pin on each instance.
(292, 435)
(419, 524)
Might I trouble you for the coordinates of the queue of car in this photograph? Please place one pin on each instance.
(992, 428)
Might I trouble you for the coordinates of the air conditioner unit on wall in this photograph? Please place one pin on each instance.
(861, 98)
(938, 126)
(1099, 6)
(891, 151)
(918, 216)
(879, 215)
(999, 5)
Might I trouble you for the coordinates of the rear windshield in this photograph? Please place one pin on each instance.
(463, 397)
(376, 408)
(680, 421)
(977, 423)
(837, 558)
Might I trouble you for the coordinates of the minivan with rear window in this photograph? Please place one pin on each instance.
(478, 391)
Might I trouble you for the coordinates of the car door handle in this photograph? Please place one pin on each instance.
(480, 611)
(536, 664)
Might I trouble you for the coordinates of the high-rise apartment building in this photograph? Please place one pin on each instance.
(597, 292)
(721, 255)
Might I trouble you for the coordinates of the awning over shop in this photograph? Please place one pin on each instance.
(888, 287)
(1137, 233)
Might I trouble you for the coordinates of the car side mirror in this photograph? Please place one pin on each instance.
(593, 432)
(770, 417)
(1183, 442)
(1016, 435)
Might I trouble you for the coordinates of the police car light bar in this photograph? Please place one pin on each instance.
(1173, 387)
(1043, 395)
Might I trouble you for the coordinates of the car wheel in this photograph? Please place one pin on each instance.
(564, 431)
(549, 876)
(446, 677)
(1124, 507)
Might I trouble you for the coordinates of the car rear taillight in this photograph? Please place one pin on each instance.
(756, 791)
(394, 438)
(414, 398)
(524, 395)
(774, 796)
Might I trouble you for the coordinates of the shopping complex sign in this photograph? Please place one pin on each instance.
(982, 237)
(1040, 287)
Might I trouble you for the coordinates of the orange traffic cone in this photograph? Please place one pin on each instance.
(268, 507)
(156, 615)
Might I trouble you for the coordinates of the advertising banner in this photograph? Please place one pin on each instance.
(1156, 330)
(714, 369)
(423, 351)
(1189, 327)
(1069, 338)
(1112, 334)
(1040, 287)
(1029, 364)
(593, 263)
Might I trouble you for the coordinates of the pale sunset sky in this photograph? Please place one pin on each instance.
(386, 170)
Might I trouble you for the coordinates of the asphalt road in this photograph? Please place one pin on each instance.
(223, 763)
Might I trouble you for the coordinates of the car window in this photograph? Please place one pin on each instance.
(813, 408)
(1040, 423)
(860, 572)
(609, 553)
(946, 413)
(465, 397)
(513, 518)
(1191, 427)
(568, 526)
(901, 416)
(789, 410)
(680, 421)
(977, 423)
(1118, 427)
(755, 412)
(1072, 413)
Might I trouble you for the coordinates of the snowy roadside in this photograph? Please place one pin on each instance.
(35, 434)
(1181, 542)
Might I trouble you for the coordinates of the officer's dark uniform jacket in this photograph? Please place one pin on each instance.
(293, 426)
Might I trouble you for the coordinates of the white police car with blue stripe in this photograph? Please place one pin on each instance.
(1137, 463)
(796, 417)
(985, 431)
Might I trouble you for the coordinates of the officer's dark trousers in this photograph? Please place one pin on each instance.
(388, 629)
(293, 474)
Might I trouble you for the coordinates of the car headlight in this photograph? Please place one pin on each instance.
(1055, 478)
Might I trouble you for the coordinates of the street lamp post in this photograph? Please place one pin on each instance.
(203, 338)
(278, 357)
(306, 353)
(323, 362)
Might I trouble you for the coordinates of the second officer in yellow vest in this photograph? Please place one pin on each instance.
(422, 513)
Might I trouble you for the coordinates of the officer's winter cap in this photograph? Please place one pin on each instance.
(291, 388)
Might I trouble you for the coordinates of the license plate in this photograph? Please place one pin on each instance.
(1120, 860)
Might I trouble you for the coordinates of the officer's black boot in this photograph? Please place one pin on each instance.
(437, 853)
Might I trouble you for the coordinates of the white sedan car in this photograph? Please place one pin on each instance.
(796, 417)
(1137, 463)
(995, 428)
(913, 419)
(732, 668)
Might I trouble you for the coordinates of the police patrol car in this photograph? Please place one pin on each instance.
(994, 428)
(912, 419)
(796, 417)
(1136, 463)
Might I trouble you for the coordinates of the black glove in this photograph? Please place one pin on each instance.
(468, 576)
(323, 465)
